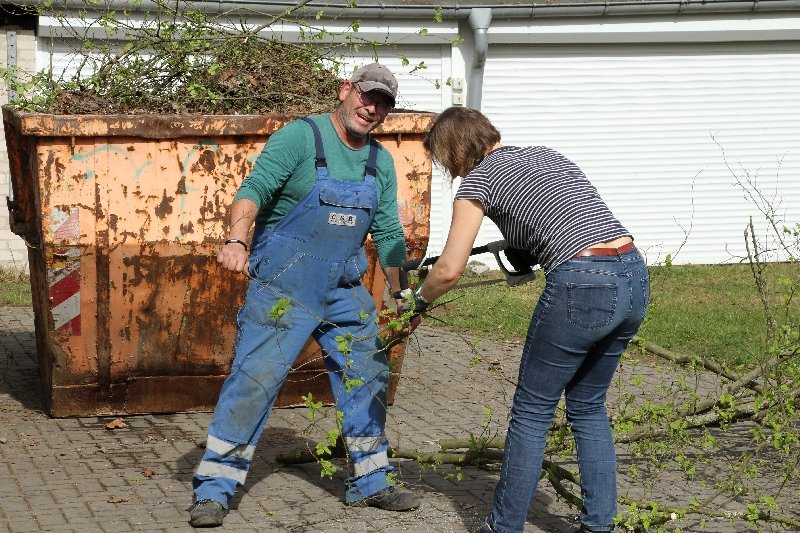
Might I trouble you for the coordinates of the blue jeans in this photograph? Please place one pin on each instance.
(589, 310)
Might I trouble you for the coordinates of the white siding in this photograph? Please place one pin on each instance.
(60, 56)
(630, 104)
(13, 251)
(663, 131)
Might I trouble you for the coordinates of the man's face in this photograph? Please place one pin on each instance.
(361, 112)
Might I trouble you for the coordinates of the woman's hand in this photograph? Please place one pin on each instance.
(416, 320)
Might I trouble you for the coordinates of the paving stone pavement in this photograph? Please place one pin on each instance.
(74, 475)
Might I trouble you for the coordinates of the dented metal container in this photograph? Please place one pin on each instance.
(123, 217)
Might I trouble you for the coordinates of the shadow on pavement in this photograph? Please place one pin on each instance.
(19, 371)
(110, 467)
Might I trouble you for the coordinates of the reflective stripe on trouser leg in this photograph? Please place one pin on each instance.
(224, 466)
(265, 351)
(359, 381)
(367, 454)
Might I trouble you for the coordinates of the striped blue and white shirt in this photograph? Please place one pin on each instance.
(541, 202)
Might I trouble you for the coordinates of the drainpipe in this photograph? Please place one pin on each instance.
(11, 62)
(479, 21)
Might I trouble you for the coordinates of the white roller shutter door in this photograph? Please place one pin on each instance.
(664, 132)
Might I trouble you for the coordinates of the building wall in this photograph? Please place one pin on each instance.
(13, 252)
(680, 140)
(634, 100)
(687, 129)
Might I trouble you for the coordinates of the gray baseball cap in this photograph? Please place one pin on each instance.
(376, 77)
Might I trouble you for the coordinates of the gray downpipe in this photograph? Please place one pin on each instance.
(11, 62)
(479, 21)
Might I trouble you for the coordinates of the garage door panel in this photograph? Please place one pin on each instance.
(668, 134)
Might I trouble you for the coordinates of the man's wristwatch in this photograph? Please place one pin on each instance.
(238, 241)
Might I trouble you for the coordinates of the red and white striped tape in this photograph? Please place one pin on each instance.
(64, 273)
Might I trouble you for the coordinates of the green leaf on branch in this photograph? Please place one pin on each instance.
(311, 405)
(280, 308)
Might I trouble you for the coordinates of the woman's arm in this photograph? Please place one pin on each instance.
(447, 270)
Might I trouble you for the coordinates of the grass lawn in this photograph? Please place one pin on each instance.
(710, 311)
(15, 288)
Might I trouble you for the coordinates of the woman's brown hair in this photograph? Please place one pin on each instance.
(459, 138)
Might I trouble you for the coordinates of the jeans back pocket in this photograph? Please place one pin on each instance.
(591, 306)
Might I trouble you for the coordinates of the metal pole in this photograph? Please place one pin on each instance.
(11, 63)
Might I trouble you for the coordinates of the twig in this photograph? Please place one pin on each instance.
(683, 359)
(727, 515)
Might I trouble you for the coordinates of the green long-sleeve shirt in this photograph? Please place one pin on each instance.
(285, 172)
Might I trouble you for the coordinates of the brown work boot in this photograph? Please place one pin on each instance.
(207, 513)
(390, 499)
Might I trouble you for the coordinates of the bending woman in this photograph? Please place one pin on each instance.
(594, 300)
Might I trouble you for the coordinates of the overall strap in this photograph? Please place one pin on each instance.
(319, 159)
(370, 169)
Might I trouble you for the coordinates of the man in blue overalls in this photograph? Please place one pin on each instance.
(318, 187)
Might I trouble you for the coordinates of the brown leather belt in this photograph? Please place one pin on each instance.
(625, 248)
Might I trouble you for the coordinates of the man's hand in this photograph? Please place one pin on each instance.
(234, 253)
(233, 256)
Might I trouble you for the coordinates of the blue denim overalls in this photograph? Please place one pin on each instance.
(312, 260)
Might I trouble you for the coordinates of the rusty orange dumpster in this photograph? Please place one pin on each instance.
(123, 216)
